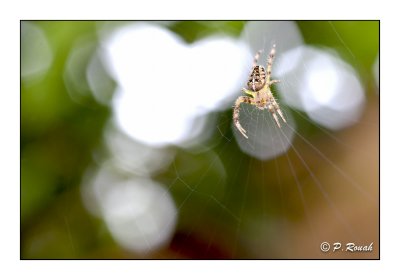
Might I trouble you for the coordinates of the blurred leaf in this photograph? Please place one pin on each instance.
(356, 41)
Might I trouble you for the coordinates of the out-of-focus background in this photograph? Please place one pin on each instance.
(128, 148)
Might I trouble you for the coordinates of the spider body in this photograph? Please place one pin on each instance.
(259, 92)
(257, 78)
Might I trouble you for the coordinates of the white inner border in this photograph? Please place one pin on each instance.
(14, 11)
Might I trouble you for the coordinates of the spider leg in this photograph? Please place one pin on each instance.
(249, 92)
(269, 63)
(280, 114)
(256, 57)
(276, 119)
(274, 82)
(274, 108)
(240, 100)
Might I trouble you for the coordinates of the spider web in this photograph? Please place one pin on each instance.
(280, 204)
(313, 190)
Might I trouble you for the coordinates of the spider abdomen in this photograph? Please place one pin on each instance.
(257, 78)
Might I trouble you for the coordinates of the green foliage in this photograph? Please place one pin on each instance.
(356, 41)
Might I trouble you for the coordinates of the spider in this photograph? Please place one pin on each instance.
(259, 91)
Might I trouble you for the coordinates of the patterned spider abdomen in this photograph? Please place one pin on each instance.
(257, 78)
